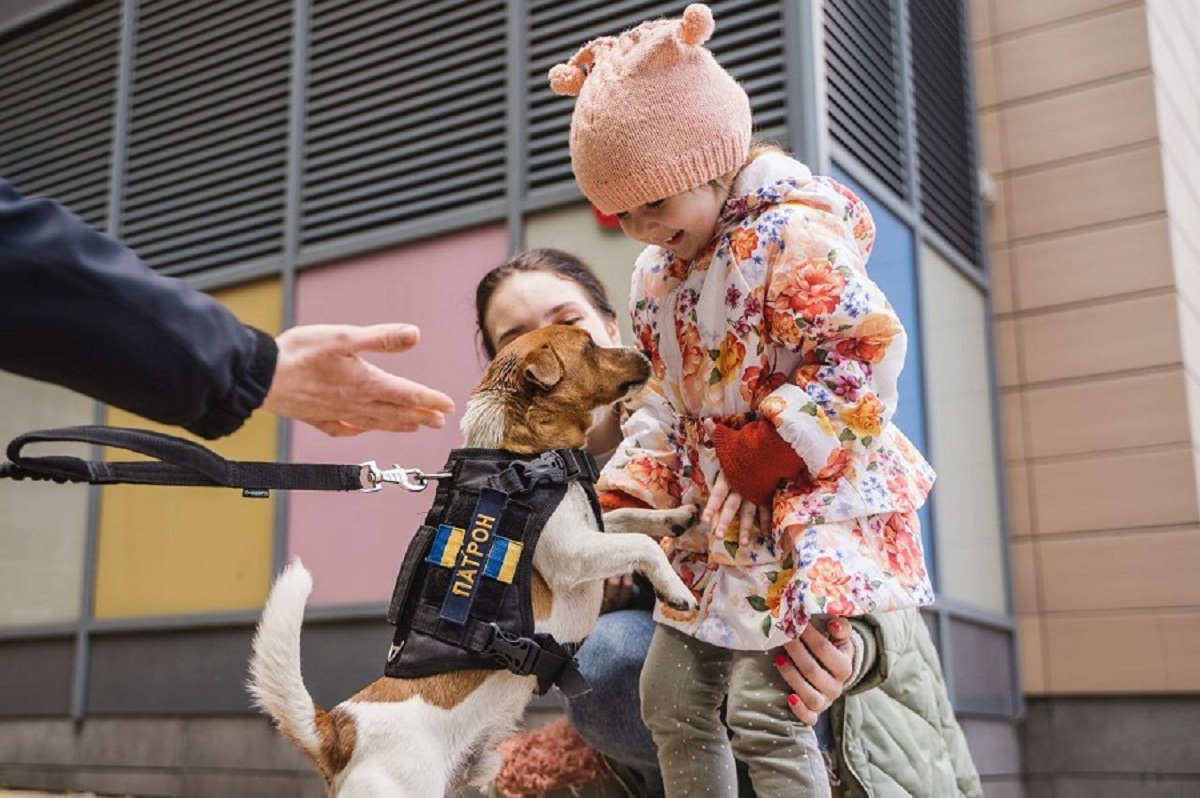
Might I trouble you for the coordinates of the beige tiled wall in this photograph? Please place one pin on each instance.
(1090, 130)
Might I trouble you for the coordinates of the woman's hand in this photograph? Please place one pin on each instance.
(816, 667)
(618, 591)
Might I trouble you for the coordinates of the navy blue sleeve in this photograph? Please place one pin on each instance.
(81, 310)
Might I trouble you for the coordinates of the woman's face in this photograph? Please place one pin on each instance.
(529, 300)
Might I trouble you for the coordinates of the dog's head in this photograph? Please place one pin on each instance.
(540, 390)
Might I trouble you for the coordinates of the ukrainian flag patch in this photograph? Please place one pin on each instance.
(502, 560)
(447, 543)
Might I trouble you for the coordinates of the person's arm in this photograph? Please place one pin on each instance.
(644, 470)
(820, 303)
(81, 310)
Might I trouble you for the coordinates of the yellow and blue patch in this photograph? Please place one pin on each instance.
(447, 543)
(502, 560)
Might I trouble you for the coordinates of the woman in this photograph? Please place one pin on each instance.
(867, 731)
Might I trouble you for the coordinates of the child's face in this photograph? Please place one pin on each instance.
(682, 223)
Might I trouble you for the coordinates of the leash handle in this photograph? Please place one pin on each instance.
(174, 461)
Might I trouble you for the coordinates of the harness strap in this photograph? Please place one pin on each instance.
(540, 655)
(181, 462)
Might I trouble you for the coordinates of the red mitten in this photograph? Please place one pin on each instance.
(616, 499)
(755, 459)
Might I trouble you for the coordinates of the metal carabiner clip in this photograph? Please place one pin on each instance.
(411, 479)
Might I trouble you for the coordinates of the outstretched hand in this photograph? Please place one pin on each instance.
(321, 380)
(816, 667)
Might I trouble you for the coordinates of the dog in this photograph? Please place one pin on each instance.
(425, 736)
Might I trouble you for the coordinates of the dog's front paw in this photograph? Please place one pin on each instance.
(677, 596)
(681, 519)
(680, 605)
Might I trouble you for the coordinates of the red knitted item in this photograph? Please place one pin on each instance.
(616, 499)
(755, 459)
(553, 757)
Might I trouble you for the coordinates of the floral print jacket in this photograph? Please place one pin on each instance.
(776, 318)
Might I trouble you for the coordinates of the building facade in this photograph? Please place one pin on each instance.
(1090, 130)
(363, 161)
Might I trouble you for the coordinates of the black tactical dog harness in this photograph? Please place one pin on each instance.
(463, 596)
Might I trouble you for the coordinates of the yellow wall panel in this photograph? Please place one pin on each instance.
(169, 550)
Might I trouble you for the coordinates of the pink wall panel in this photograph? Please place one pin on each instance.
(354, 543)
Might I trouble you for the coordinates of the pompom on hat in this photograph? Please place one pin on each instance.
(656, 115)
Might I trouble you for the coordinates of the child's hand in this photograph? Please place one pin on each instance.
(724, 505)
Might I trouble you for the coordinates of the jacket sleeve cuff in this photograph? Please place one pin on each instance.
(871, 669)
(619, 499)
(249, 390)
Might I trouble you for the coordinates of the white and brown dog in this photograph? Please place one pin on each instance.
(425, 736)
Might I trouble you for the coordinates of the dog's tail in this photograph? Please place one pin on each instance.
(276, 683)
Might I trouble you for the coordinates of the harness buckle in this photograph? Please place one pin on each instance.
(517, 654)
(547, 466)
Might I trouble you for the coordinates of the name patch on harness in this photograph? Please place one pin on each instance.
(473, 555)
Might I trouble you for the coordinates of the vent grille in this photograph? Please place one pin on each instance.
(862, 61)
(406, 113)
(945, 146)
(748, 41)
(56, 107)
(208, 133)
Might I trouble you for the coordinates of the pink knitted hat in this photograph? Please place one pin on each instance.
(656, 114)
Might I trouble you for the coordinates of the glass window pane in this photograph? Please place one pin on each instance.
(983, 679)
(962, 448)
(43, 526)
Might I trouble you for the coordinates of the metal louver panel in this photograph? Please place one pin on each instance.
(748, 41)
(945, 145)
(57, 90)
(406, 113)
(862, 62)
(208, 123)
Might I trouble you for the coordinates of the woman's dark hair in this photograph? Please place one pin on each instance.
(556, 262)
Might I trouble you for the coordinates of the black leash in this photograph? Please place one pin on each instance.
(176, 461)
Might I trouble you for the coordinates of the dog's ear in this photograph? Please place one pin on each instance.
(542, 368)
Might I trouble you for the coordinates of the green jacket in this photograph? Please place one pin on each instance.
(897, 733)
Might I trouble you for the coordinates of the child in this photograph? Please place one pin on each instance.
(775, 374)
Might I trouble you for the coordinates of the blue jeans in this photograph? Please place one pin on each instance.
(609, 718)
